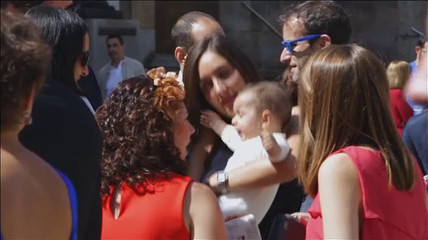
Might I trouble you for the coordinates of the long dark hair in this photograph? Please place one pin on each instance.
(195, 99)
(64, 32)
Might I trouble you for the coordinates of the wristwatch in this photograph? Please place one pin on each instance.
(222, 181)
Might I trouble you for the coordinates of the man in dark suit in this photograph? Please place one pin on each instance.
(416, 138)
(65, 134)
(91, 89)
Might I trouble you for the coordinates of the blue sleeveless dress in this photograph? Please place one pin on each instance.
(73, 201)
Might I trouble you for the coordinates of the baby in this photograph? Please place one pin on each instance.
(261, 111)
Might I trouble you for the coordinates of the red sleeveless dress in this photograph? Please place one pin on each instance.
(154, 215)
(387, 212)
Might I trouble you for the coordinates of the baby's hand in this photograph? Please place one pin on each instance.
(302, 217)
(212, 120)
(271, 146)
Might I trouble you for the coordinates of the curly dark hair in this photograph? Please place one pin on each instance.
(24, 63)
(138, 138)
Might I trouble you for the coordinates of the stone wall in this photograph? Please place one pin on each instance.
(382, 26)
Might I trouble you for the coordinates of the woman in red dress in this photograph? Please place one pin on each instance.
(398, 72)
(352, 159)
(145, 193)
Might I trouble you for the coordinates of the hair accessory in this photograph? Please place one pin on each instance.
(169, 91)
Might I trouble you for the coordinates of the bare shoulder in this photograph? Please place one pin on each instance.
(206, 219)
(202, 197)
(199, 190)
(338, 167)
(42, 193)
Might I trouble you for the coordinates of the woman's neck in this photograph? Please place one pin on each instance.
(9, 139)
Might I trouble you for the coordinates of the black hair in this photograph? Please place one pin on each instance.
(420, 42)
(111, 36)
(64, 32)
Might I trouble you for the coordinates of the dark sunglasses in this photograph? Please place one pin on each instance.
(84, 58)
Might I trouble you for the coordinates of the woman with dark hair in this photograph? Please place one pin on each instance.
(145, 193)
(216, 70)
(64, 131)
(352, 160)
(37, 202)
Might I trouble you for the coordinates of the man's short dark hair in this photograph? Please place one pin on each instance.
(321, 17)
(181, 33)
(111, 36)
(421, 42)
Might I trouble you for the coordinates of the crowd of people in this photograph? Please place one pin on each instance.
(338, 146)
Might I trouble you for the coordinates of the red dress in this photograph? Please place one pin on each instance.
(387, 212)
(157, 215)
(401, 111)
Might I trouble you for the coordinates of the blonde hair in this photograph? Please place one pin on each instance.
(344, 100)
(398, 72)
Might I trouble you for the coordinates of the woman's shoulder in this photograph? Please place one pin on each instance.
(27, 167)
(350, 160)
(42, 190)
(200, 196)
(337, 166)
(353, 161)
(361, 154)
(200, 188)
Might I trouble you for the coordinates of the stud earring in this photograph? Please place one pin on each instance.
(28, 120)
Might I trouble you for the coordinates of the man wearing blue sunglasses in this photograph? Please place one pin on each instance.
(310, 26)
(306, 27)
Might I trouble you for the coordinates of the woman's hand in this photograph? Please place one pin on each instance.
(212, 183)
(270, 145)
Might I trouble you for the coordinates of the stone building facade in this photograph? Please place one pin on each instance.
(382, 26)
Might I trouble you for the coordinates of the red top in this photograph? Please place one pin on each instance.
(387, 212)
(154, 215)
(401, 111)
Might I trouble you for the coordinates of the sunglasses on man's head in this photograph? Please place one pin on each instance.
(290, 45)
(84, 58)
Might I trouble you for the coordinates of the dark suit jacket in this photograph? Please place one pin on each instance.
(64, 133)
(416, 138)
(91, 89)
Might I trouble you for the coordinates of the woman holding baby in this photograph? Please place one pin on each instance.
(215, 73)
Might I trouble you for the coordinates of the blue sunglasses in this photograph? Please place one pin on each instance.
(291, 44)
